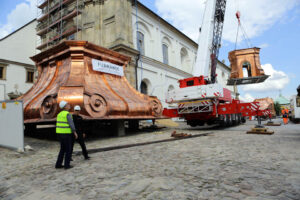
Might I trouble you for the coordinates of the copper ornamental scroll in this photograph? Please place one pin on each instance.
(66, 73)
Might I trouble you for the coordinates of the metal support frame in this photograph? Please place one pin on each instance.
(247, 80)
(61, 25)
(259, 125)
(195, 109)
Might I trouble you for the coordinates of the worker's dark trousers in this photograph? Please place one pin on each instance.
(80, 141)
(65, 150)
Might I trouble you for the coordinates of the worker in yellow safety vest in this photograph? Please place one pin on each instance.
(64, 130)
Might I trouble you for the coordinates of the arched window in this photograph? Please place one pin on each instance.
(165, 54)
(247, 69)
(144, 88)
(183, 56)
(170, 88)
(140, 42)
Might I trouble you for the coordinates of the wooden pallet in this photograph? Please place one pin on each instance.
(260, 131)
(273, 124)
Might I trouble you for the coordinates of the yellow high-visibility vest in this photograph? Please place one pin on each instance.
(62, 125)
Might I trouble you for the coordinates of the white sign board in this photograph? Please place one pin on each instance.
(107, 67)
(11, 124)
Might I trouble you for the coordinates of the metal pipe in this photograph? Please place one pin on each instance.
(76, 19)
(136, 69)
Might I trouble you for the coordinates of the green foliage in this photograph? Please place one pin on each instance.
(277, 108)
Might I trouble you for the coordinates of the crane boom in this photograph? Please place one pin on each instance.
(217, 36)
(210, 39)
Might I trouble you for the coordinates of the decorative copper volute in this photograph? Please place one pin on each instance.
(66, 73)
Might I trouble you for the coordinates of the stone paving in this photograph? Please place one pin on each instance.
(227, 164)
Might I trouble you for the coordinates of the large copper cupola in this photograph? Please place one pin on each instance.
(88, 75)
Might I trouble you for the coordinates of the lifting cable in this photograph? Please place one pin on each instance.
(244, 34)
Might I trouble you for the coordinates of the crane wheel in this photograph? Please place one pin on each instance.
(234, 119)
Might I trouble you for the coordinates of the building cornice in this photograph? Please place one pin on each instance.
(123, 47)
(174, 28)
(167, 23)
(165, 67)
(17, 63)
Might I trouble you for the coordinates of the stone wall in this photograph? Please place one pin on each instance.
(108, 24)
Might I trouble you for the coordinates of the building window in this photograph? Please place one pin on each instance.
(165, 54)
(170, 88)
(183, 57)
(140, 42)
(144, 88)
(30, 75)
(2, 72)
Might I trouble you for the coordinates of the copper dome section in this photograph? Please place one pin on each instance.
(66, 73)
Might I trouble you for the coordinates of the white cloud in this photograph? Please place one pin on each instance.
(185, 15)
(22, 14)
(257, 16)
(264, 45)
(247, 98)
(277, 81)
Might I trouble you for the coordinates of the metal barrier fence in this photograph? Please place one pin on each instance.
(12, 124)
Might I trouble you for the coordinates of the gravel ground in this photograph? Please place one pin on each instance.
(225, 164)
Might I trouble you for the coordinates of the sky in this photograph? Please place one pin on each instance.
(272, 25)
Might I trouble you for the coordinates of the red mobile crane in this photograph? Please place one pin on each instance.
(201, 99)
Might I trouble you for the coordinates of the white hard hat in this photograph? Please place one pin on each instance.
(62, 104)
(77, 108)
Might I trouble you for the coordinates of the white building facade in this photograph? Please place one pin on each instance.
(167, 54)
(16, 69)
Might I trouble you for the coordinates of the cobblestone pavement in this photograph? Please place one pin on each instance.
(227, 164)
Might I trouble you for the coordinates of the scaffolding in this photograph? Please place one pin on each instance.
(56, 21)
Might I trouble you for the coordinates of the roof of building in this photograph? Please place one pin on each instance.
(17, 30)
(282, 100)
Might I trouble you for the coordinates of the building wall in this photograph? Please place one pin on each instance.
(20, 45)
(157, 32)
(223, 73)
(157, 75)
(15, 50)
(15, 80)
(106, 23)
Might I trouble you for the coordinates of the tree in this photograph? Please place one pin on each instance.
(277, 108)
